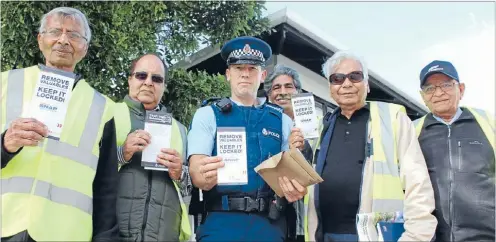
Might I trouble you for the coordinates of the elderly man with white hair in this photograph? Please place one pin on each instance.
(61, 189)
(371, 163)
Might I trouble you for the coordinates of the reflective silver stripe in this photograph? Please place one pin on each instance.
(64, 196)
(93, 122)
(17, 185)
(387, 205)
(15, 94)
(77, 154)
(184, 137)
(387, 137)
(486, 117)
(382, 168)
(82, 154)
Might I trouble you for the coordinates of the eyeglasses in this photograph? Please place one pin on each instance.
(445, 87)
(142, 76)
(339, 78)
(72, 35)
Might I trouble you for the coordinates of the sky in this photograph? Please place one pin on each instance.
(397, 39)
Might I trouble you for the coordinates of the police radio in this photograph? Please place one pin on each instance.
(224, 103)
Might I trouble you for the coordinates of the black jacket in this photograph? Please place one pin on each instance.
(104, 185)
(460, 161)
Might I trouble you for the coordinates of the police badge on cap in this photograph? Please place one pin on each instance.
(246, 50)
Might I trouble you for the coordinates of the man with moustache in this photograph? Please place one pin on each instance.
(241, 212)
(280, 85)
(370, 160)
(458, 145)
(149, 202)
(65, 189)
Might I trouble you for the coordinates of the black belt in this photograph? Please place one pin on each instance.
(243, 204)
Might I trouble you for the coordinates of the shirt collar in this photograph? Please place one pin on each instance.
(457, 115)
(260, 101)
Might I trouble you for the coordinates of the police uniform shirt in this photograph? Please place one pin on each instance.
(201, 137)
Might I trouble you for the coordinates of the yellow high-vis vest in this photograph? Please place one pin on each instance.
(483, 118)
(386, 190)
(48, 189)
(178, 142)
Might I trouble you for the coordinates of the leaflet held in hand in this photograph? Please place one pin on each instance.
(51, 98)
(231, 146)
(159, 126)
(305, 116)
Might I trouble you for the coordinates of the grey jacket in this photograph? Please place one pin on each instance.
(461, 166)
(148, 207)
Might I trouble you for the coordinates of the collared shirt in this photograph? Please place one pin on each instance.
(201, 139)
(457, 115)
(342, 173)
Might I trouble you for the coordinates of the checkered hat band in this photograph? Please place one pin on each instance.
(251, 53)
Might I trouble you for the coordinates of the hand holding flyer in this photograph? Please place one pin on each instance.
(231, 146)
(159, 126)
(304, 114)
(51, 98)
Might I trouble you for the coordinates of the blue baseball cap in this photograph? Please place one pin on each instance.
(437, 66)
(246, 50)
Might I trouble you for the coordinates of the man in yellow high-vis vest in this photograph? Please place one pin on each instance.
(65, 189)
(458, 145)
(371, 163)
(149, 202)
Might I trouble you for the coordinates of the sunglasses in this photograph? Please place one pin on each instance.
(142, 76)
(339, 78)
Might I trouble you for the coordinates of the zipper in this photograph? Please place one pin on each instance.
(145, 215)
(450, 184)
(459, 155)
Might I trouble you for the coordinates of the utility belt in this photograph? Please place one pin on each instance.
(272, 206)
(239, 204)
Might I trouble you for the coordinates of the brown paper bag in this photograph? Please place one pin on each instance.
(291, 164)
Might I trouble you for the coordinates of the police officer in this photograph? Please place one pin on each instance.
(241, 212)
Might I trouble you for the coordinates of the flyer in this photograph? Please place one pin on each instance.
(231, 146)
(51, 98)
(305, 116)
(159, 126)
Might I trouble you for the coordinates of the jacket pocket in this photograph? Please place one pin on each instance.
(474, 156)
(125, 202)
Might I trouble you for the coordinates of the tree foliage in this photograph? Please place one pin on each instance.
(122, 31)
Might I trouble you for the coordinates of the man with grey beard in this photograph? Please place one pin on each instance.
(280, 85)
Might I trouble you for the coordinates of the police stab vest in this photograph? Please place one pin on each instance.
(263, 127)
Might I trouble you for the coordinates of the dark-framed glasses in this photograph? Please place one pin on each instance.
(142, 76)
(72, 35)
(339, 78)
(445, 87)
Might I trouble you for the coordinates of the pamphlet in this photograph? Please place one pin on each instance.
(305, 117)
(51, 98)
(159, 126)
(383, 226)
(231, 146)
